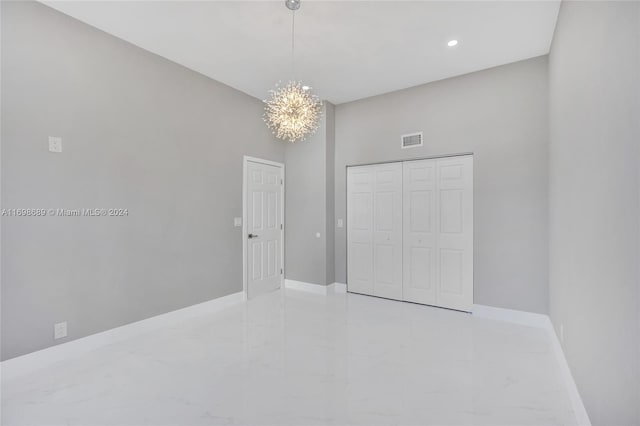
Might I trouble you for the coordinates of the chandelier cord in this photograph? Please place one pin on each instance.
(293, 45)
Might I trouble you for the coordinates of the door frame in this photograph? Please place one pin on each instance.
(245, 162)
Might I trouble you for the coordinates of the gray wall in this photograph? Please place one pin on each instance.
(308, 189)
(331, 206)
(594, 71)
(305, 208)
(139, 132)
(500, 115)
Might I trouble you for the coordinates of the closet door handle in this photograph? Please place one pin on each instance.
(253, 235)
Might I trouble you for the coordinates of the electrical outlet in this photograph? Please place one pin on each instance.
(562, 333)
(237, 221)
(340, 223)
(60, 330)
(55, 144)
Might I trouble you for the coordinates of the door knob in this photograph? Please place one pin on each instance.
(253, 235)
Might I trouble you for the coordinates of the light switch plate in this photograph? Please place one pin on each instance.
(317, 235)
(55, 144)
(60, 330)
(340, 223)
(237, 221)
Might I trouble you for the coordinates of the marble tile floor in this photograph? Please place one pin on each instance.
(297, 358)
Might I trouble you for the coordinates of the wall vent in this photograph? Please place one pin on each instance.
(412, 140)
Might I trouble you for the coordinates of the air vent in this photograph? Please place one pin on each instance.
(411, 141)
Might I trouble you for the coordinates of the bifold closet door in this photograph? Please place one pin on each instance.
(374, 230)
(419, 224)
(455, 232)
(438, 232)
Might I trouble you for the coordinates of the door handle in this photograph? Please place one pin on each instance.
(253, 235)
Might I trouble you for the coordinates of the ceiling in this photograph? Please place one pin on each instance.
(345, 50)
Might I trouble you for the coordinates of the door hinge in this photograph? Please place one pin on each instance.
(281, 271)
(281, 181)
(281, 226)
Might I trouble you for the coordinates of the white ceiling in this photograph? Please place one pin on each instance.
(346, 50)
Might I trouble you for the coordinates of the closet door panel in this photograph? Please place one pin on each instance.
(419, 242)
(360, 194)
(387, 234)
(455, 232)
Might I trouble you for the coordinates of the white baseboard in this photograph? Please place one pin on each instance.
(541, 321)
(315, 288)
(36, 360)
(303, 286)
(582, 418)
(338, 287)
(517, 317)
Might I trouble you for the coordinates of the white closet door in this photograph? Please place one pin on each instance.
(419, 231)
(454, 183)
(360, 188)
(374, 230)
(387, 232)
(410, 231)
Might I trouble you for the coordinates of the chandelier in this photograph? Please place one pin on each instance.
(292, 111)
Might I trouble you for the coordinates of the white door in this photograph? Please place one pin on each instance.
(419, 231)
(438, 232)
(387, 231)
(360, 187)
(410, 231)
(263, 227)
(374, 230)
(454, 183)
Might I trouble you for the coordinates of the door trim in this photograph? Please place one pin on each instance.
(245, 161)
(431, 157)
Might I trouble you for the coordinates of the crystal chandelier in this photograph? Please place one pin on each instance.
(292, 111)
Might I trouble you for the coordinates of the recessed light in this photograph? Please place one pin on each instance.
(306, 87)
(452, 43)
